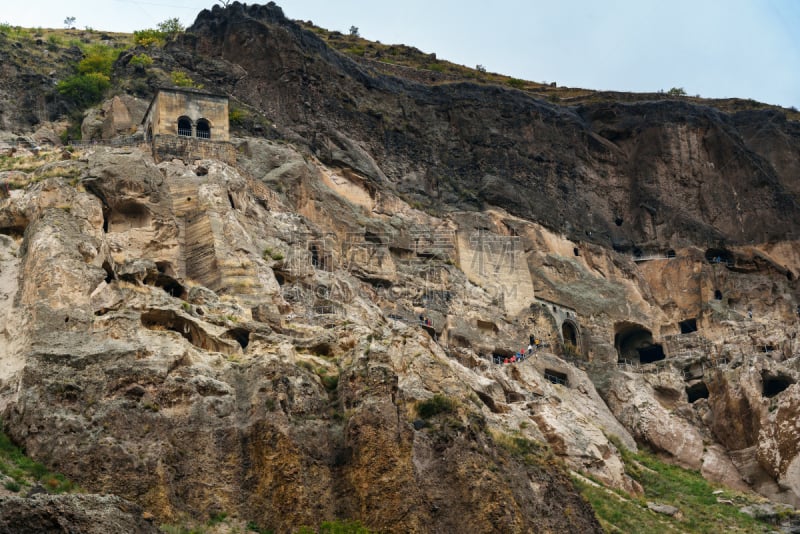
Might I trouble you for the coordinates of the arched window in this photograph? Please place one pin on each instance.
(185, 126)
(203, 129)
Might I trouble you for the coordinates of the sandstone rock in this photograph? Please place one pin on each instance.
(665, 509)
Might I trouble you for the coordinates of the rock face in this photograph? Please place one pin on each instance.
(290, 338)
(92, 514)
(282, 381)
(649, 174)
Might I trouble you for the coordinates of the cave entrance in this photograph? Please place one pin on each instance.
(498, 355)
(634, 343)
(570, 333)
(650, 354)
(774, 384)
(717, 294)
(240, 335)
(556, 377)
(697, 391)
(719, 255)
(110, 275)
(688, 326)
(126, 216)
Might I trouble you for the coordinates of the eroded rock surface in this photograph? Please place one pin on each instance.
(264, 338)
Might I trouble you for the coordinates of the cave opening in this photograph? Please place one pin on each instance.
(240, 335)
(775, 384)
(230, 200)
(634, 343)
(110, 276)
(670, 254)
(717, 294)
(576, 251)
(697, 391)
(165, 267)
(126, 216)
(618, 221)
(650, 354)
(556, 377)
(166, 282)
(719, 255)
(688, 326)
(570, 333)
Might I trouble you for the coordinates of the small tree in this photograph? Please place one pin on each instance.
(170, 26)
(480, 68)
(69, 23)
(676, 91)
(225, 3)
(354, 31)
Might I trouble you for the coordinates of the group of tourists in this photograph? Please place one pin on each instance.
(520, 356)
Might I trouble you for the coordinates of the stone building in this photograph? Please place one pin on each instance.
(187, 113)
(188, 124)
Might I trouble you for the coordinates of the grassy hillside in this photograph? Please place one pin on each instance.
(702, 507)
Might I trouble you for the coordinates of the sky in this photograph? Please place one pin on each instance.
(711, 48)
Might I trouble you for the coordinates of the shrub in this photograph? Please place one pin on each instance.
(516, 83)
(53, 42)
(98, 59)
(181, 79)
(676, 91)
(434, 406)
(330, 382)
(149, 38)
(276, 255)
(84, 90)
(236, 116)
(141, 60)
(12, 485)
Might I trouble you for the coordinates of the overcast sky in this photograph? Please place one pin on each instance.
(714, 48)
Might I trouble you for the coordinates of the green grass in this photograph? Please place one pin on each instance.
(26, 472)
(664, 483)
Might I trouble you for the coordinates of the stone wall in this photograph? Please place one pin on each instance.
(188, 149)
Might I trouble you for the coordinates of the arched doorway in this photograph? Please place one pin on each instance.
(203, 129)
(185, 126)
(569, 333)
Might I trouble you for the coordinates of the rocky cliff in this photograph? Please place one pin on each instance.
(312, 332)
